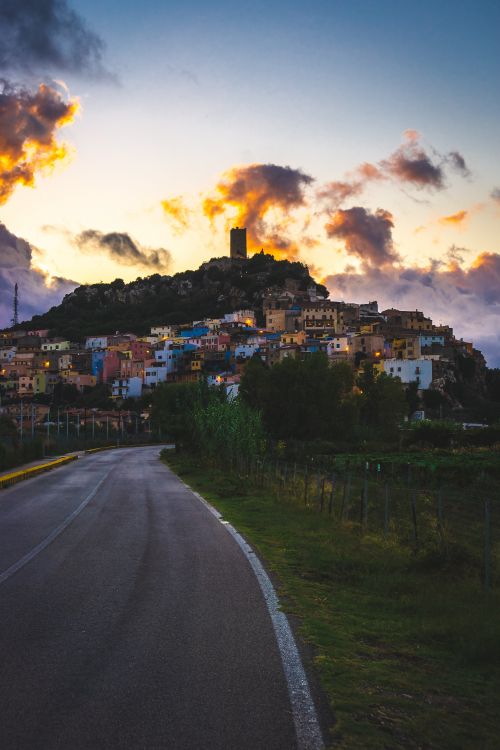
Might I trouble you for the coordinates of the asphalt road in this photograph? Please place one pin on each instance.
(130, 618)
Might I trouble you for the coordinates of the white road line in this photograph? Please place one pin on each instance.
(53, 535)
(305, 718)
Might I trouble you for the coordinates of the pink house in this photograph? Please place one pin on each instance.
(111, 365)
(217, 342)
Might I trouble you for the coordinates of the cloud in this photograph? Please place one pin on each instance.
(456, 220)
(37, 290)
(409, 165)
(495, 194)
(48, 34)
(260, 197)
(29, 122)
(468, 299)
(121, 247)
(368, 235)
(457, 161)
(338, 191)
(177, 211)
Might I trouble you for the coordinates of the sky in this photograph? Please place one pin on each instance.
(359, 137)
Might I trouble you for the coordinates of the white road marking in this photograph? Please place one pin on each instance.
(305, 718)
(53, 535)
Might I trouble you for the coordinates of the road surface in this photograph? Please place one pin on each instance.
(130, 618)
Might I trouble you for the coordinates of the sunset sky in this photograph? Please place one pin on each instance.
(360, 137)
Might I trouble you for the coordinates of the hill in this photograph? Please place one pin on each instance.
(218, 286)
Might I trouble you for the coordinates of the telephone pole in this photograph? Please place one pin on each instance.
(15, 307)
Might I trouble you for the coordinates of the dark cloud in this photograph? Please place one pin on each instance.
(37, 291)
(495, 194)
(48, 34)
(466, 298)
(367, 235)
(410, 165)
(121, 247)
(255, 191)
(457, 161)
(29, 122)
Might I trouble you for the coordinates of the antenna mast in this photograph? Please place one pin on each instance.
(15, 318)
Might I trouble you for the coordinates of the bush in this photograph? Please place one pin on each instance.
(436, 434)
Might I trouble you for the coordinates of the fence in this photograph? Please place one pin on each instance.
(458, 527)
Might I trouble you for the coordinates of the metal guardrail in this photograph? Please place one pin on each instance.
(18, 476)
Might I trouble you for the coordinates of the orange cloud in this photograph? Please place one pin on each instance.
(29, 123)
(176, 209)
(260, 197)
(456, 220)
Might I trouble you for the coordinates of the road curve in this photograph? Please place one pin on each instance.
(130, 618)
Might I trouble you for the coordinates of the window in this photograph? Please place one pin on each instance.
(399, 369)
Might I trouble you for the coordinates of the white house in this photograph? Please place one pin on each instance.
(163, 332)
(410, 371)
(338, 344)
(245, 351)
(96, 342)
(244, 317)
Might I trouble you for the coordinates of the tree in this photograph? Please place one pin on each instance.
(383, 403)
(301, 400)
(412, 397)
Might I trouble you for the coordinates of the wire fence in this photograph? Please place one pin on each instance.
(458, 527)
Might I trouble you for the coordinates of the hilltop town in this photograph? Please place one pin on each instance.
(291, 318)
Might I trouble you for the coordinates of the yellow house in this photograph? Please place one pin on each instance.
(298, 337)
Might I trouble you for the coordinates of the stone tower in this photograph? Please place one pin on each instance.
(238, 243)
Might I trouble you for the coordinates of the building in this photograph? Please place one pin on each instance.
(417, 371)
(126, 388)
(239, 317)
(431, 339)
(238, 244)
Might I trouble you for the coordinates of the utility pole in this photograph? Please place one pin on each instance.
(22, 418)
(15, 306)
(33, 412)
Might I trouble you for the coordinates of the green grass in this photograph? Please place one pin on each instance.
(407, 652)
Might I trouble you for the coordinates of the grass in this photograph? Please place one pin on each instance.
(408, 653)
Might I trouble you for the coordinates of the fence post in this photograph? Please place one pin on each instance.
(487, 545)
(365, 503)
(322, 498)
(306, 483)
(332, 493)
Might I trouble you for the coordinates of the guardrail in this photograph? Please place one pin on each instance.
(18, 476)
